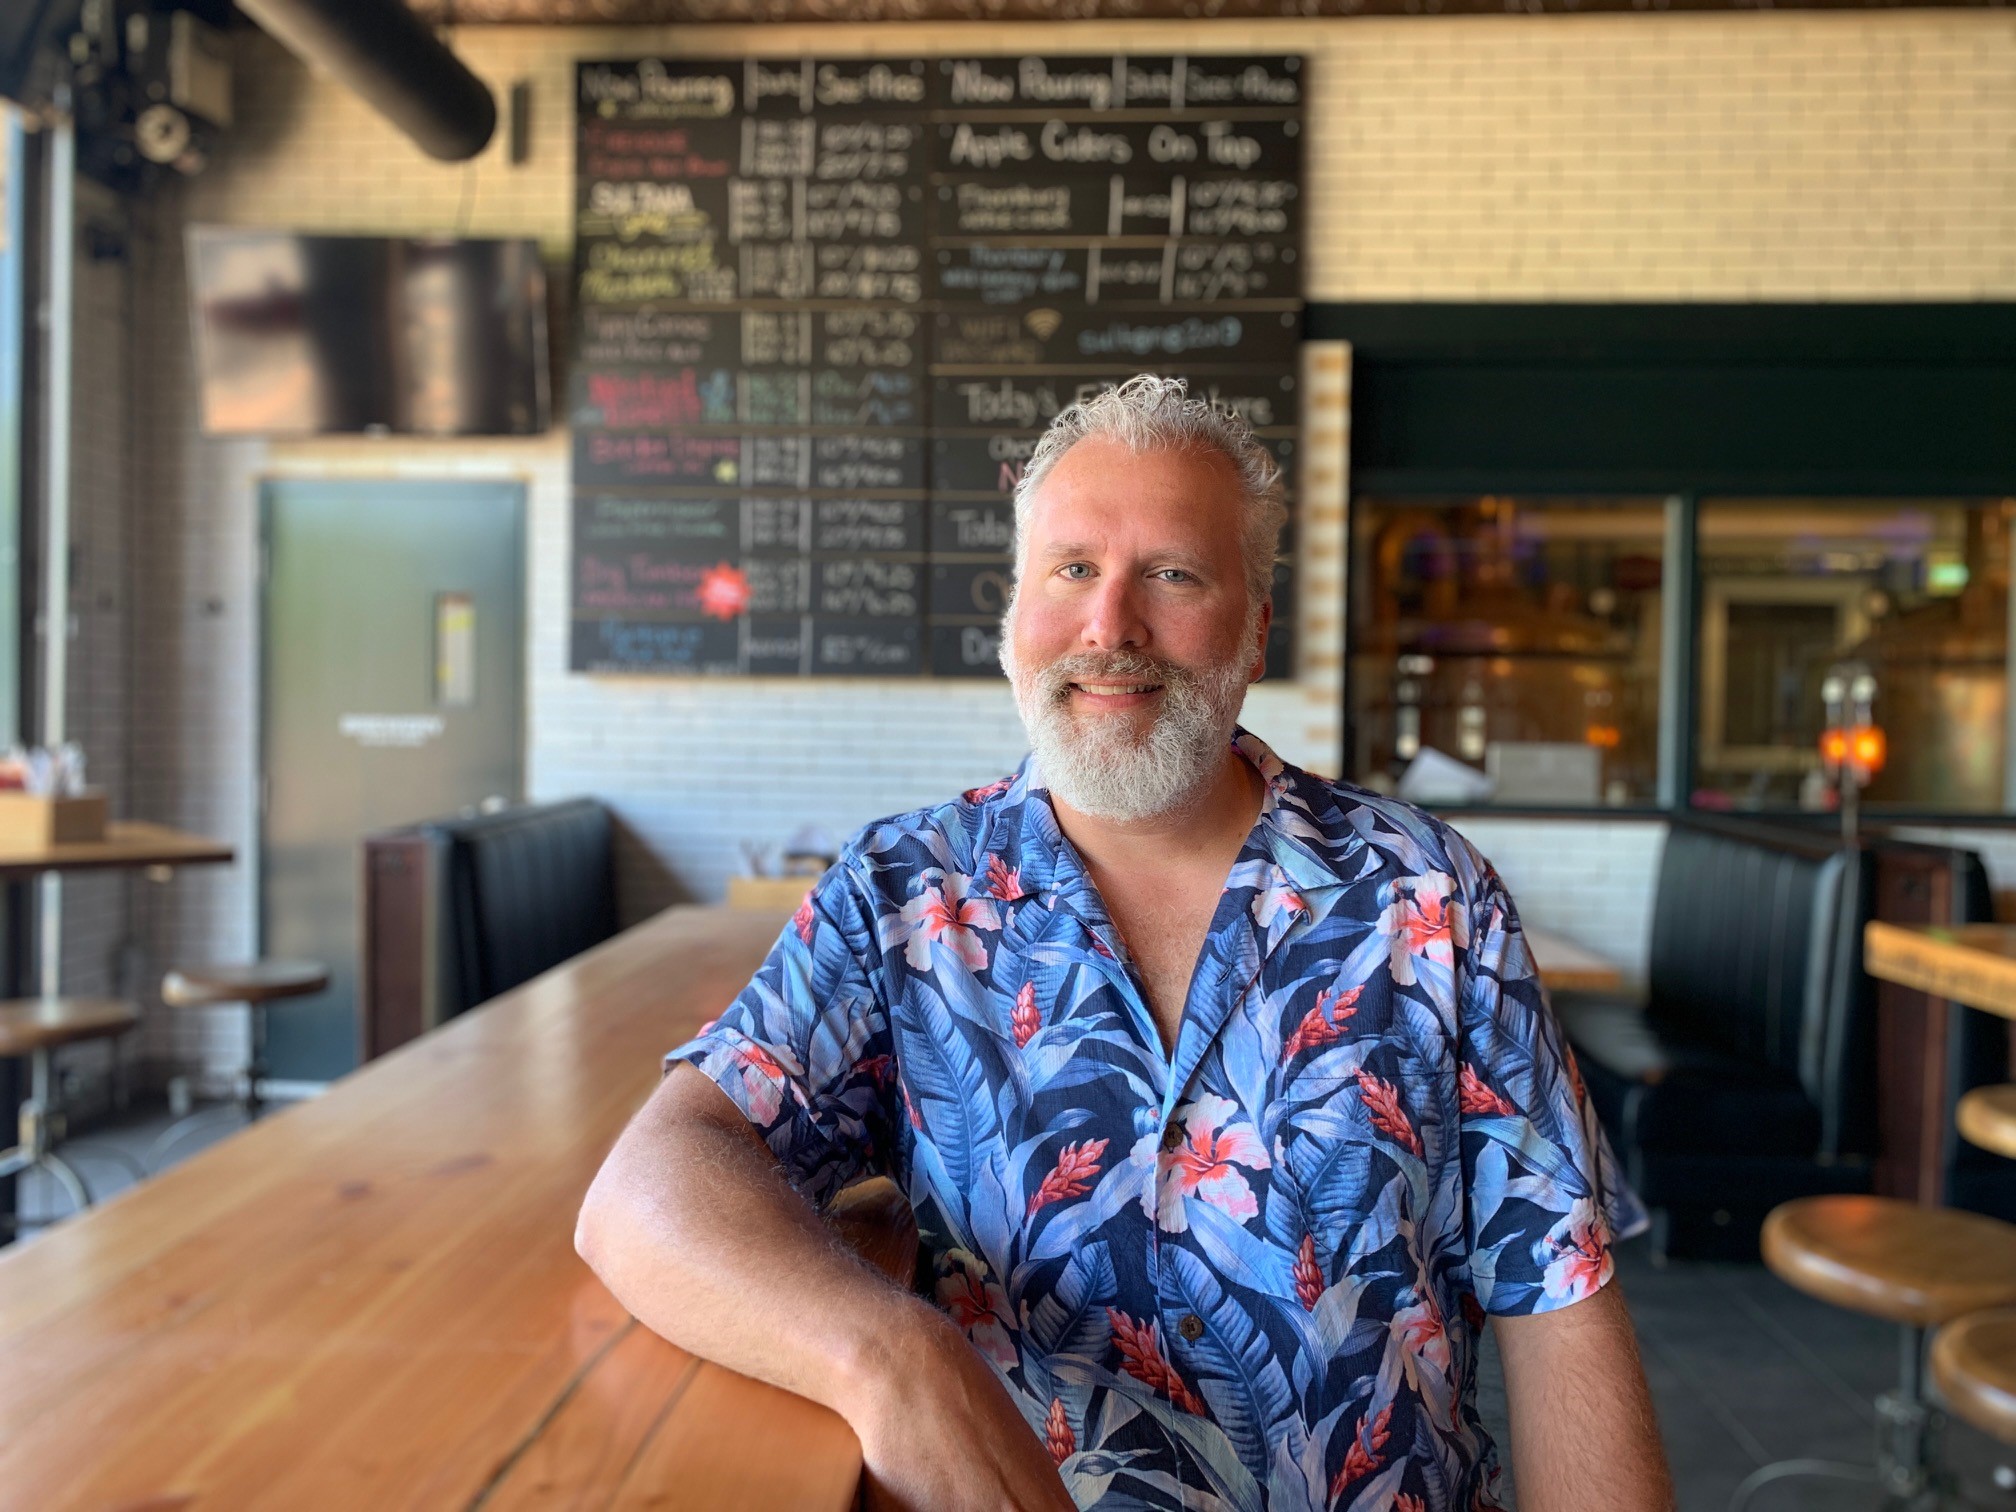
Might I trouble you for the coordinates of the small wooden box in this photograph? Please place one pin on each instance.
(766, 893)
(28, 820)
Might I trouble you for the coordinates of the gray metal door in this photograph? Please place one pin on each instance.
(394, 691)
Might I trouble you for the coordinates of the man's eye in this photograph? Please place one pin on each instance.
(1175, 575)
(1076, 571)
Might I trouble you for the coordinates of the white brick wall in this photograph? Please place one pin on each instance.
(1797, 156)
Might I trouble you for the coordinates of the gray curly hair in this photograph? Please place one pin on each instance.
(1148, 412)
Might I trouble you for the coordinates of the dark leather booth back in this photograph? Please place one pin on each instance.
(525, 889)
(1755, 951)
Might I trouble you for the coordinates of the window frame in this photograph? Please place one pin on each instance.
(1690, 402)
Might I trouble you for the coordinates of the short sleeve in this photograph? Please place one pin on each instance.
(805, 1049)
(1544, 1195)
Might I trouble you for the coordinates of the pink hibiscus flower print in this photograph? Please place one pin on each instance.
(1072, 1176)
(1474, 1097)
(1387, 1115)
(1057, 1435)
(943, 912)
(1363, 1457)
(763, 1078)
(1424, 1344)
(978, 1305)
(1142, 1358)
(1026, 1018)
(991, 790)
(802, 919)
(1323, 1024)
(1420, 923)
(1405, 1503)
(1206, 1164)
(1277, 900)
(1003, 881)
(881, 1068)
(1580, 1247)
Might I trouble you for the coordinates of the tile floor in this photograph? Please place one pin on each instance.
(1744, 1369)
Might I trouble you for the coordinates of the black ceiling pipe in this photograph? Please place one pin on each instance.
(392, 60)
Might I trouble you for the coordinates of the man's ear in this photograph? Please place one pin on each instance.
(1259, 669)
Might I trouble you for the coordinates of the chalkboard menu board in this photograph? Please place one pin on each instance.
(825, 307)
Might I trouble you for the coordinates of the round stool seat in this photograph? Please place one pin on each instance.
(1974, 1362)
(1891, 1259)
(1987, 1117)
(242, 982)
(31, 1024)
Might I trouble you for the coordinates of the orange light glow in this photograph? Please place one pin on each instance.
(1603, 737)
(1867, 746)
(1833, 746)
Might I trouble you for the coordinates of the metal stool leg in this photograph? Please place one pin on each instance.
(40, 1122)
(247, 1102)
(67, 1177)
(1907, 1467)
(174, 1133)
(255, 1069)
(1758, 1479)
(79, 1150)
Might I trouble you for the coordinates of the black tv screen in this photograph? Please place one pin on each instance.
(322, 335)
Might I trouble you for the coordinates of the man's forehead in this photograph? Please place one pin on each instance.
(1097, 458)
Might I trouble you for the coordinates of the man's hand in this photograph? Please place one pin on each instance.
(938, 1432)
(1584, 1438)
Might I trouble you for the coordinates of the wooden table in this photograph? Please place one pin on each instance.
(127, 843)
(1566, 966)
(372, 1300)
(1973, 964)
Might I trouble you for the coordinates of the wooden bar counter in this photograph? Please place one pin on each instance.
(372, 1300)
(1973, 964)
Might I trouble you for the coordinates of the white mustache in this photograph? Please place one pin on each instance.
(1054, 681)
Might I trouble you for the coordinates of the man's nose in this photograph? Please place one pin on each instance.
(1114, 621)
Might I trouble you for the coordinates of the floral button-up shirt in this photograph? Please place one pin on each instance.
(1249, 1275)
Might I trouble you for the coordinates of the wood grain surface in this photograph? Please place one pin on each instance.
(372, 1300)
(127, 842)
(1973, 964)
(1566, 966)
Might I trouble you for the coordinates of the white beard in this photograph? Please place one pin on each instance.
(1098, 763)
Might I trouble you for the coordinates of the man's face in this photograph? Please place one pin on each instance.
(1131, 639)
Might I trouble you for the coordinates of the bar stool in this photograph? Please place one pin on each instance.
(256, 984)
(1974, 1367)
(1917, 1267)
(1987, 1117)
(34, 1027)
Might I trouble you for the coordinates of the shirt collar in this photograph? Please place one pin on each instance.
(1021, 834)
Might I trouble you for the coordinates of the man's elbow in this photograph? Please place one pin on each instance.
(592, 1223)
(584, 1231)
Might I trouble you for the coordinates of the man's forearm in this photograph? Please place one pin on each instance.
(1584, 1435)
(694, 1228)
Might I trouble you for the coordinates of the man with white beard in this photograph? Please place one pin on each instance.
(1226, 1097)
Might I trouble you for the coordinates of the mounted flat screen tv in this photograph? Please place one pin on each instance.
(327, 335)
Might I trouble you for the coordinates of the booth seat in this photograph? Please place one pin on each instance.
(1745, 1077)
(459, 910)
(1748, 1074)
(523, 890)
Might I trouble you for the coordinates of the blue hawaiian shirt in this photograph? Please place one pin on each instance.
(1249, 1276)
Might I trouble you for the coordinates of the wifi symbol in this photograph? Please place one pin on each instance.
(1043, 323)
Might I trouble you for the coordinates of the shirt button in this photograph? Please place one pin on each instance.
(1191, 1327)
(1172, 1139)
